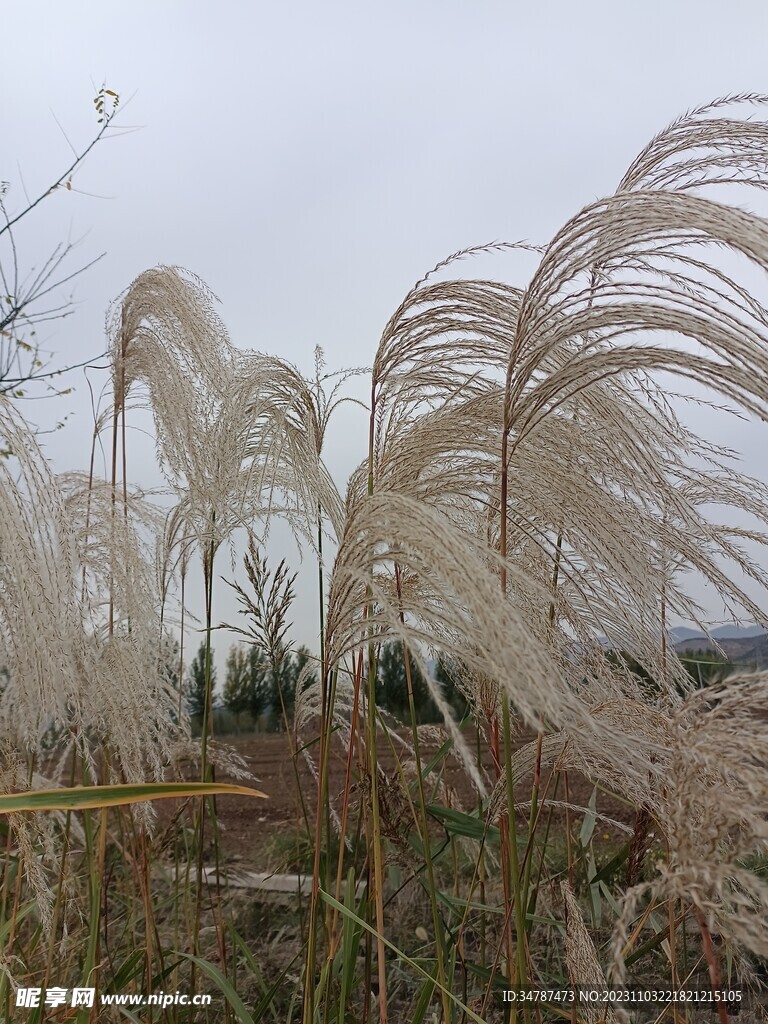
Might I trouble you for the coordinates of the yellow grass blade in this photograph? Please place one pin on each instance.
(77, 798)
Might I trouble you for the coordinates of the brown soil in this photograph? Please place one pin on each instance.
(250, 826)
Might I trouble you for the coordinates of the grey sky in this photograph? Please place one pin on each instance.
(311, 160)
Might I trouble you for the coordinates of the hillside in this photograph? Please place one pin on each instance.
(743, 650)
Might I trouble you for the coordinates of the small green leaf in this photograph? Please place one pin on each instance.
(460, 824)
(613, 864)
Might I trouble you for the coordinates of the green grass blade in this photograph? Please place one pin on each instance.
(425, 998)
(350, 941)
(254, 968)
(400, 954)
(608, 870)
(213, 972)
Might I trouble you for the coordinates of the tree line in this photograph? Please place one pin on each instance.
(258, 694)
(253, 686)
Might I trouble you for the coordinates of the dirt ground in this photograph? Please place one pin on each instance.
(251, 828)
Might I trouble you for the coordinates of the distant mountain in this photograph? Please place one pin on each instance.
(737, 632)
(749, 650)
(743, 645)
(731, 632)
(680, 633)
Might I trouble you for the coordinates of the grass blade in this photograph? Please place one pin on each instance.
(77, 798)
(401, 955)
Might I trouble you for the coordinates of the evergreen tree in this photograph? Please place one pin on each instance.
(237, 682)
(260, 699)
(392, 686)
(284, 678)
(194, 689)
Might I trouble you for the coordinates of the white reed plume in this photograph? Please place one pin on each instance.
(581, 956)
(115, 551)
(599, 482)
(708, 801)
(711, 806)
(167, 337)
(286, 419)
(74, 678)
(165, 327)
(455, 608)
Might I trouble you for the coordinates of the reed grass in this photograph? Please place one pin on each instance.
(529, 487)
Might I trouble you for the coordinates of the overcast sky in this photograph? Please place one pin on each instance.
(311, 160)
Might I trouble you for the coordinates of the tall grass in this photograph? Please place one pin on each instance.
(528, 489)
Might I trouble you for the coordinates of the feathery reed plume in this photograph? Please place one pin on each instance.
(75, 679)
(287, 418)
(709, 803)
(712, 807)
(598, 474)
(449, 611)
(164, 328)
(597, 500)
(581, 956)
